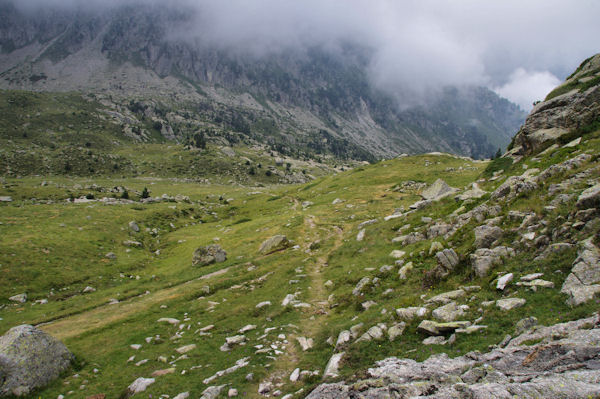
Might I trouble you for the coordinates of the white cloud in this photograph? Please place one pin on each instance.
(417, 45)
(524, 87)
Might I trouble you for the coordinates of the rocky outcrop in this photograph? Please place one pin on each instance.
(564, 364)
(577, 107)
(30, 359)
(583, 283)
(208, 255)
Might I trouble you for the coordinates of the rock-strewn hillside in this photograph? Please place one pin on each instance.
(363, 283)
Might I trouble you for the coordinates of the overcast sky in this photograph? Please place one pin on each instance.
(519, 48)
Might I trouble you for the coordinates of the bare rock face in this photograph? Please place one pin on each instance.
(30, 359)
(564, 364)
(551, 119)
(207, 255)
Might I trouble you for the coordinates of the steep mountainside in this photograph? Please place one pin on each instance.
(429, 276)
(292, 98)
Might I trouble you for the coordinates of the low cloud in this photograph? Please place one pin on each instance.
(517, 48)
(524, 87)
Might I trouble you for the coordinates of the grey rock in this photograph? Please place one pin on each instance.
(111, 255)
(449, 312)
(5, 199)
(366, 223)
(556, 117)
(563, 366)
(438, 190)
(305, 343)
(514, 186)
(503, 281)
(583, 283)
(208, 255)
(21, 298)
(133, 226)
(447, 297)
(361, 235)
(590, 198)
(411, 312)
(373, 333)
(212, 392)
(484, 259)
(360, 286)
(525, 324)
(30, 359)
(447, 259)
(510, 303)
(396, 330)
(485, 235)
(434, 341)
(333, 366)
(474, 193)
(343, 339)
(431, 327)
(274, 244)
(139, 385)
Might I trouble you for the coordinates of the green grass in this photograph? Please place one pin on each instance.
(52, 249)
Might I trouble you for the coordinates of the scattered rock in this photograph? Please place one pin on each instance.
(434, 341)
(404, 270)
(411, 313)
(397, 254)
(30, 359)
(111, 255)
(212, 392)
(431, 327)
(305, 343)
(133, 226)
(333, 366)
(21, 298)
(185, 349)
(583, 283)
(510, 303)
(273, 244)
(396, 330)
(295, 375)
(139, 385)
(169, 320)
(88, 290)
(589, 198)
(361, 235)
(438, 190)
(360, 285)
(504, 281)
(447, 258)
(449, 312)
(486, 235)
(208, 255)
(263, 304)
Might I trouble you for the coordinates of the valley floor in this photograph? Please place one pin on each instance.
(113, 278)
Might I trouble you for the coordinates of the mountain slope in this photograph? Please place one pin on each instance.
(139, 53)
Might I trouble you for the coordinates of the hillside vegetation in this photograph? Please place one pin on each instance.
(284, 309)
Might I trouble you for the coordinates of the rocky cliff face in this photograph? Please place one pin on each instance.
(141, 53)
(573, 105)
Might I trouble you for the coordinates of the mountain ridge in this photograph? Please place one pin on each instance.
(135, 54)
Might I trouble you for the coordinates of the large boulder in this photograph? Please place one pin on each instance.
(438, 190)
(207, 255)
(30, 359)
(559, 115)
(274, 244)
